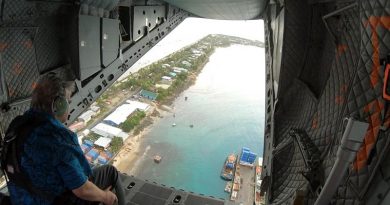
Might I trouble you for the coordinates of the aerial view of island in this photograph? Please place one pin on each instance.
(183, 118)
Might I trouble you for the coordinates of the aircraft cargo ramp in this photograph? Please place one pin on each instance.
(144, 192)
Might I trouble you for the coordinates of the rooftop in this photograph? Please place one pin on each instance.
(103, 142)
(149, 94)
(106, 130)
(122, 112)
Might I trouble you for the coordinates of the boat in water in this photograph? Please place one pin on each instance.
(157, 158)
(228, 187)
(227, 172)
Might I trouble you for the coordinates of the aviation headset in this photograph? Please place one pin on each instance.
(59, 105)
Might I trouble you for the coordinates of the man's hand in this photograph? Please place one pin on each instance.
(90, 192)
(109, 198)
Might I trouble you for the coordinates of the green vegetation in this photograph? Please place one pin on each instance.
(92, 137)
(192, 58)
(116, 144)
(179, 82)
(132, 121)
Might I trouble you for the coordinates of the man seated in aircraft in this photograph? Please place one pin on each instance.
(53, 167)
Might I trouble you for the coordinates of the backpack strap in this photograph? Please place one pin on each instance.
(14, 140)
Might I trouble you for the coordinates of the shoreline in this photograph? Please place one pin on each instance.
(128, 158)
(190, 82)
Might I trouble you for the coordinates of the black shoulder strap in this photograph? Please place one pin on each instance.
(16, 135)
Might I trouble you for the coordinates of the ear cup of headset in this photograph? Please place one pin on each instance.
(60, 106)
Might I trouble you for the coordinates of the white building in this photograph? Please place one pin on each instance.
(80, 138)
(166, 78)
(122, 112)
(163, 86)
(95, 109)
(179, 70)
(195, 51)
(165, 82)
(123, 135)
(103, 142)
(260, 161)
(106, 130)
(86, 132)
(86, 116)
(166, 65)
(139, 105)
(186, 63)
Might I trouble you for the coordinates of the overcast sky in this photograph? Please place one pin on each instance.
(197, 28)
(193, 29)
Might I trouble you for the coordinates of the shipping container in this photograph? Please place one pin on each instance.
(251, 160)
(246, 151)
(85, 148)
(88, 142)
(244, 155)
(102, 160)
(247, 157)
(244, 158)
(89, 159)
(93, 154)
(236, 187)
(87, 145)
(106, 154)
(109, 154)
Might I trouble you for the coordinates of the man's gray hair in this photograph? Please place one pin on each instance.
(47, 89)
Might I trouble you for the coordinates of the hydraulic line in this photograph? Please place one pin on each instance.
(350, 143)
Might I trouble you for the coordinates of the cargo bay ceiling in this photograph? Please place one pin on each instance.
(89, 42)
(325, 62)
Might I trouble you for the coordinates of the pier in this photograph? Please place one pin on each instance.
(243, 186)
(244, 181)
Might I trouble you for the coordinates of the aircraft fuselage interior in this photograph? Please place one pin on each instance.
(326, 137)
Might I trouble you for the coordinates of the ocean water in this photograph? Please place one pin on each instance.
(226, 107)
